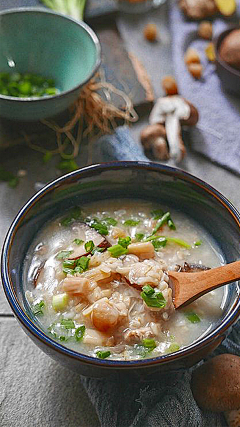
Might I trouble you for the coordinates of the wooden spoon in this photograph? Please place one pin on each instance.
(187, 287)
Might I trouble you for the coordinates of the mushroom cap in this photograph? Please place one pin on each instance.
(150, 133)
(193, 117)
(216, 384)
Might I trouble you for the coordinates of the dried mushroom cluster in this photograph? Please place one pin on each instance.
(163, 136)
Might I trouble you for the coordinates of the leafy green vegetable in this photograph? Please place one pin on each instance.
(97, 225)
(8, 177)
(89, 246)
(124, 242)
(68, 323)
(117, 250)
(198, 243)
(157, 213)
(131, 222)
(103, 354)
(37, 308)
(78, 241)
(47, 157)
(63, 254)
(73, 8)
(153, 299)
(192, 316)
(149, 343)
(162, 221)
(139, 237)
(79, 333)
(109, 221)
(67, 165)
(73, 215)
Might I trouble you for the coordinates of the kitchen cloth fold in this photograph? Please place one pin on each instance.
(217, 134)
(167, 400)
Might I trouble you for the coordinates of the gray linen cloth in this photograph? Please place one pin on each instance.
(217, 134)
(166, 401)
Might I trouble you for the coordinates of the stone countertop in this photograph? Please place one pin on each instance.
(36, 391)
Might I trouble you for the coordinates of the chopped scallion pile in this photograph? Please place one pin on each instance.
(26, 85)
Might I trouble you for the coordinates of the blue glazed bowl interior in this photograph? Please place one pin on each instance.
(157, 183)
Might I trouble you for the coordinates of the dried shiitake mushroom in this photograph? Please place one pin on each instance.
(169, 85)
(150, 32)
(205, 30)
(216, 383)
(229, 49)
(198, 9)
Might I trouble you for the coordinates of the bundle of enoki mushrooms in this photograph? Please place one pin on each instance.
(92, 115)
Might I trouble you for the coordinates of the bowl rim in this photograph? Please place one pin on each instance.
(92, 170)
(217, 42)
(83, 25)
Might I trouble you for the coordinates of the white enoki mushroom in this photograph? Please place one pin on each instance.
(170, 110)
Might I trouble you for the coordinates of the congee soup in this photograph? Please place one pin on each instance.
(96, 280)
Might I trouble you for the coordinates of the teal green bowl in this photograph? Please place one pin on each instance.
(39, 41)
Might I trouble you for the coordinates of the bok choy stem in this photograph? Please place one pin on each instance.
(73, 8)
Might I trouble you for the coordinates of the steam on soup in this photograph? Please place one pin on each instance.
(97, 280)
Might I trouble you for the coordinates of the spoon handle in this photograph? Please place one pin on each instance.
(189, 286)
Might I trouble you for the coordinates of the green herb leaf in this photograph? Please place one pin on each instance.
(162, 221)
(67, 165)
(78, 241)
(153, 299)
(149, 343)
(109, 221)
(67, 323)
(89, 246)
(37, 308)
(198, 243)
(117, 250)
(131, 222)
(73, 215)
(63, 254)
(79, 333)
(103, 354)
(139, 237)
(157, 213)
(124, 242)
(192, 316)
(47, 157)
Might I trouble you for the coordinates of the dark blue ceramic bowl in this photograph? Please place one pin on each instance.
(148, 181)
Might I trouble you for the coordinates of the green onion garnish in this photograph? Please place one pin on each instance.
(67, 165)
(198, 243)
(103, 354)
(117, 250)
(171, 224)
(68, 323)
(26, 85)
(109, 221)
(179, 242)
(63, 254)
(79, 333)
(37, 308)
(162, 221)
(47, 157)
(153, 299)
(159, 243)
(124, 242)
(8, 177)
(131, 222)
(82, 263)
(78, 241)
(172, 348)
(97, 225)
(157, 213)
(192, 316)
(149, 343)
(72, 266)
(73, 215)
(139, 237)
(89, 246)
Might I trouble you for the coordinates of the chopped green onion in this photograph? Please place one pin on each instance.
(78, 241)
(73, 215)
(153, 299)
(89, 246)
(103, 354)
(149, 343)
(60, 301)
(68, 323)
(157, 213)
(117, 250)
(67, 270)
(63, 254)
(179, 242)
(96, 249)
(8, 177)
(98, 226)
(139, 237)
(109, 221)
(67, 165)
(162, 221)
(26, 85)
(47, 157)
(131, 222)
(69, 263)
(192, 316)
(124, 242)
(37, 308)
(79, 333)
(83, 262)
(172, 348)
(198, 243)
(159, 243)
(171, 224)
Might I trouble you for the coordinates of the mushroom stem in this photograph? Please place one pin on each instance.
(173, 131)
